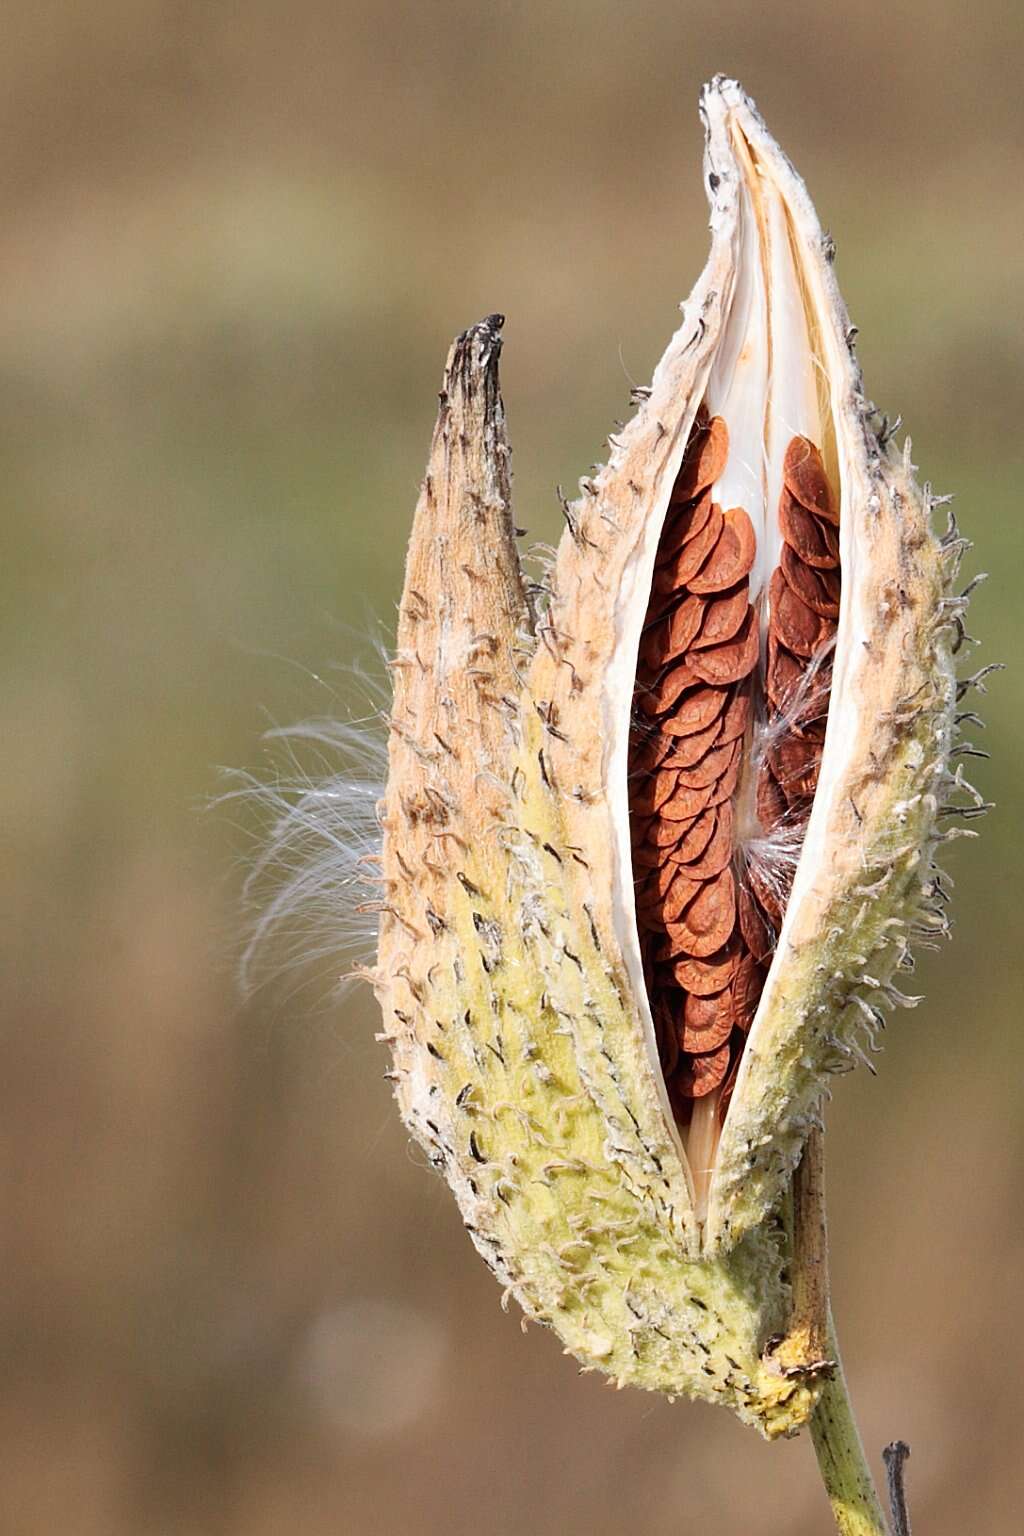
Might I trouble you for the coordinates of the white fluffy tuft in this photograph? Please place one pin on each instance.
(770, 859)
(312, 891)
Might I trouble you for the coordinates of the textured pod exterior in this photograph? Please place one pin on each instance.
(509, 967)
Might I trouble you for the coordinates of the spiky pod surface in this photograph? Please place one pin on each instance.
(509, 968)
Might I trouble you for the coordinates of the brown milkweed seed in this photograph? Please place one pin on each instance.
(659, 829)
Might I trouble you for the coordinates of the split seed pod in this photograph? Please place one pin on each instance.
(657, 836)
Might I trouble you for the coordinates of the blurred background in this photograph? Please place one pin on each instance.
(235, 243)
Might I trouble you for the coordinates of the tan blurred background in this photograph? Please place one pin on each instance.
(235, 242)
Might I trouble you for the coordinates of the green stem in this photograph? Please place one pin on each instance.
(812, 1346)
(841, 1460)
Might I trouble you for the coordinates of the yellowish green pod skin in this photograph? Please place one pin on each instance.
(508, 970)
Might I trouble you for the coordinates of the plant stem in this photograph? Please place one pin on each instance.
(841, 1460)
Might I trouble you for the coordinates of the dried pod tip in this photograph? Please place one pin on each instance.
(654, 848)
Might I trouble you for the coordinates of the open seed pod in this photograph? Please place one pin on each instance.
(657, 837)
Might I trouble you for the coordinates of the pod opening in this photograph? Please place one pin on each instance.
(729, 712)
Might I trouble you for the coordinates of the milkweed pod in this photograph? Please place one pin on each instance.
(659, 828)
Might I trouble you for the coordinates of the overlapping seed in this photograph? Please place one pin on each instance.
(803, 613)
(697, 660)
(707, 915)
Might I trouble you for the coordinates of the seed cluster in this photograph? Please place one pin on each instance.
(803, 612)
(708, 719)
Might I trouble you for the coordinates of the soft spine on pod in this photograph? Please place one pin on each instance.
(523, 1052)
